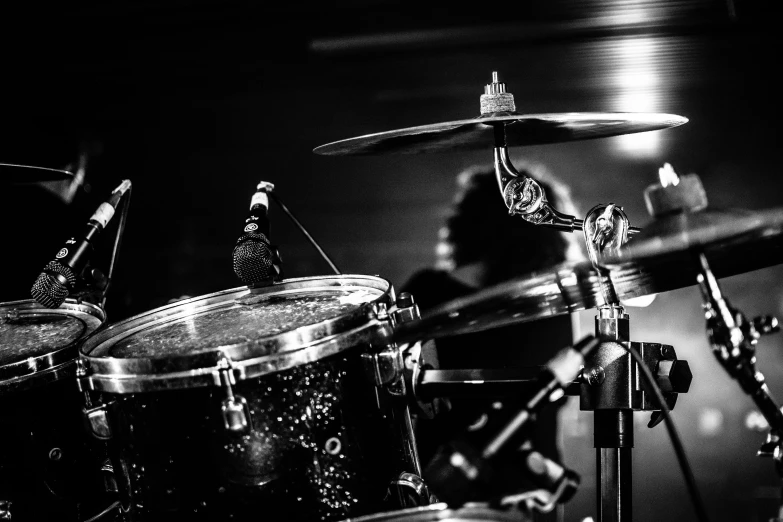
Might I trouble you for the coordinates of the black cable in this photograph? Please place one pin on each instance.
(305, 232)
(690, 481)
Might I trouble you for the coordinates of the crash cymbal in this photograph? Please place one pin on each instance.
(686, 232)
(20, 174)
(572, 287)
(520, 129)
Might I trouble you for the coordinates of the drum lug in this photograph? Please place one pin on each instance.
(97, 421)
(409, 490)
(384, 367)
(234, 408)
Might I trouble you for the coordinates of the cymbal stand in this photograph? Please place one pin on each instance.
(611, 386)
(733, 340)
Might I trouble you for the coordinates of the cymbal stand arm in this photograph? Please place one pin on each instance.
(125, 202)
(304, 231)
(733, 340)
(525, 197)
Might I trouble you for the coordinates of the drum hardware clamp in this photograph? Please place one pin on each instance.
(96, 418)
(234, 408)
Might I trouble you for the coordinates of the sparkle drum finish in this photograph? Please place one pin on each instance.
(49, 467)
(258, 403)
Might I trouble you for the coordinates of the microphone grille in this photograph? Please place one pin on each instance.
(253, 259)
(48, 290)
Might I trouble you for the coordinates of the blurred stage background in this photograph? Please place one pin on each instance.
(196, 101)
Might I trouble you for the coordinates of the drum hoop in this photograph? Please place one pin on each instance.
(27, 369)
(276, 352)
(117, 381)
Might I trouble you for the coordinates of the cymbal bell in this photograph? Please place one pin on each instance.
(572, 287)
(21, 174)
(520, 129)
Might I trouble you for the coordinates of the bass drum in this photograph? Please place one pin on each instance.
(442, 512)
(50, 469)
(280, 402)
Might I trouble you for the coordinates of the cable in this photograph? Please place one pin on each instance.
(304, 231)
(690, 481)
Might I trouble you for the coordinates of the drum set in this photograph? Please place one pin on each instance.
(295, 398)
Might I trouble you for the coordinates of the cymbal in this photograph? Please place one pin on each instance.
(572, 287)
(18, 174)
(521, 129)
(693, 231)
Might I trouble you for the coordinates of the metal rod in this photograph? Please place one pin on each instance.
(478, 383)
(615, 496)
(320, 250)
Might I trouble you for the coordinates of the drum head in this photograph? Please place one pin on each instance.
(35, 340)
(259, 330)
(441, 512)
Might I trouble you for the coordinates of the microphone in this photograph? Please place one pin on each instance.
(59, 275)
(253, 256)
(459, 469)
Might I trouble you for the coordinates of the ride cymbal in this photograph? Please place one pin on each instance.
(572, 287)
(520, 129)
(20, 174)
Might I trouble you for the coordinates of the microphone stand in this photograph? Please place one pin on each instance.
(458, 470)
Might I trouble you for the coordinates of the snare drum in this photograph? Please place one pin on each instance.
(49, 466)
(279, 402)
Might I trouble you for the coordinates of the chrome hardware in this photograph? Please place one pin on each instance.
(97, 420)
(384, 367)
(234, 408)
(606, 230)
(405, 310)
(5, 509)
(409, 490)
(524, 197)
(381, 311)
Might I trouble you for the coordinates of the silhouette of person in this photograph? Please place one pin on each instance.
(481, 245)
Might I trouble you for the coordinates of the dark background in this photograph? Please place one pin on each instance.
(196, 101)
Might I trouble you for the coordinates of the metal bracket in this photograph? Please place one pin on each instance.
(409, 490)
(97, 421)
(524, 196)
(234, 408)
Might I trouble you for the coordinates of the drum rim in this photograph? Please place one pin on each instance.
(13, 374)
(442, 511)
(247, 360)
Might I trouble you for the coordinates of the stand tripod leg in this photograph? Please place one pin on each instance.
(614, 443)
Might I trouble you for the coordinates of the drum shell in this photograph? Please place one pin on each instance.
(324, 444)
(50, 468)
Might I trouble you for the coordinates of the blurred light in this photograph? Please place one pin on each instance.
(639, 302)
(710, 422)
(755, 421)
(637, 81)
